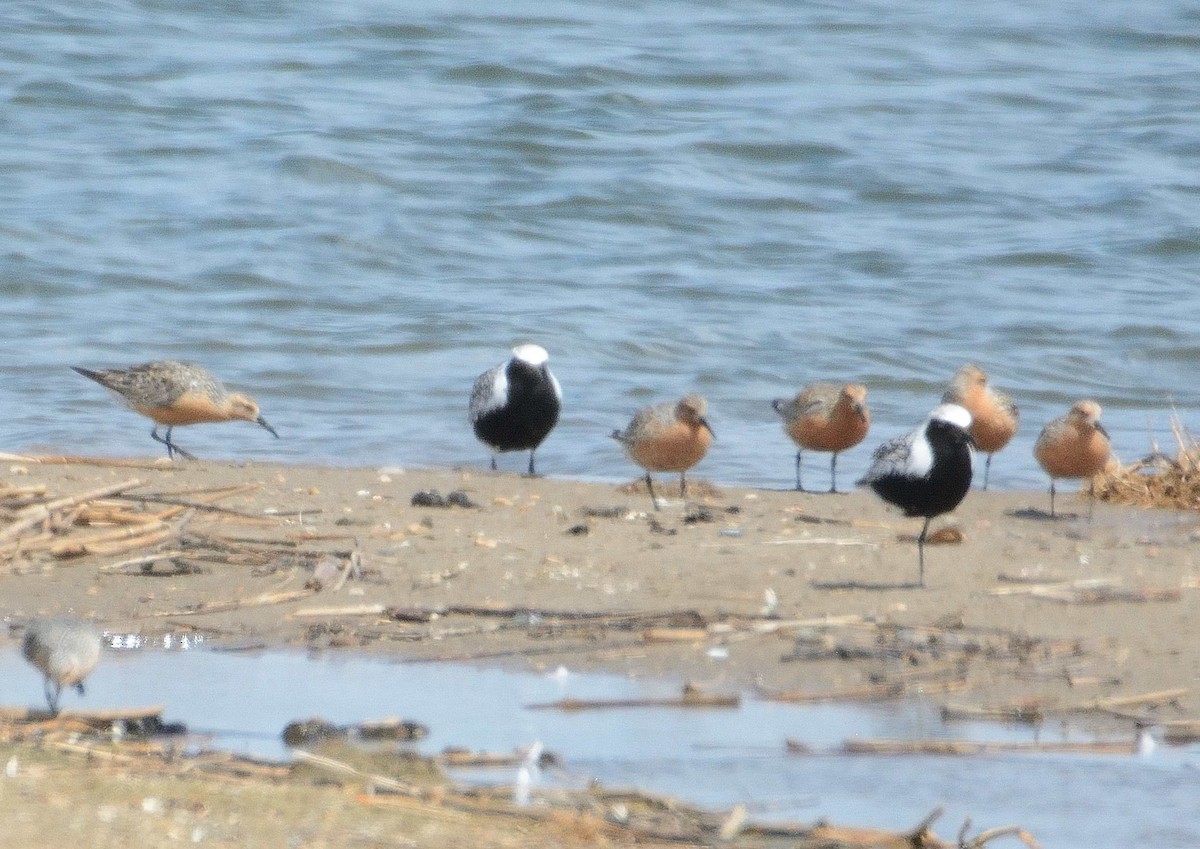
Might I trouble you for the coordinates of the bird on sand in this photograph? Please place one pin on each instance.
(926, 472)
(515, 405)
(64, 650)
(825, 417)
(668, 437)
(1074, 445)
(172, 393)
(994, 416)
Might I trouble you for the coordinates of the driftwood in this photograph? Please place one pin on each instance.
(690, 698)
(35, 514)
(234, 604)
(1089, 591)
(868, 693)
(974, 747)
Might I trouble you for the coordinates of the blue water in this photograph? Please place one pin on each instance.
(351, 208)
(716, 758)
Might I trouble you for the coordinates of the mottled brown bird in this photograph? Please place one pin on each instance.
(994, 416)
(1075, 445)
(65, 651)
(825, 417)
(668, 437)
(172, 393)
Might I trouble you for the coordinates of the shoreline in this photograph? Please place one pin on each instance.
(436, 580)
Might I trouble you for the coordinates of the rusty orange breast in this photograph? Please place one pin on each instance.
(674, 449)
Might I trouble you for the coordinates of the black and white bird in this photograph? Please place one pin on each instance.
(515, 405)
(926, 472)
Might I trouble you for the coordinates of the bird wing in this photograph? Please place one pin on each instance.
(890, 458)
(489, 392)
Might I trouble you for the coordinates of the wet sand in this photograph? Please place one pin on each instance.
(572, 547)
(736, 590)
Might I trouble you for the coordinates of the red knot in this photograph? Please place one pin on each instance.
(668, 437)
(1074, 445)
(515, 405)
(994, 416)
(172, 393)
(65, 651)
(926, 472)
(825, 417)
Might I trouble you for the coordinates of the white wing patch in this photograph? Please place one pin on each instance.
(490, 392)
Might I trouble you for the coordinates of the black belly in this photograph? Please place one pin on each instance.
(521, 425)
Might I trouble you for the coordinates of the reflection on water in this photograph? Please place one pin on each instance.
(715, 758)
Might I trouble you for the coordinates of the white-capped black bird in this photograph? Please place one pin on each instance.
(926, 472)
(515, 405)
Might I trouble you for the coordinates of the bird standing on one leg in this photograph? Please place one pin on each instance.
(1074, 445)
(172, 393)
(515, 405)
(994, 416)
(926, 472)
(824, 417)
(668, 437)
(65, 651)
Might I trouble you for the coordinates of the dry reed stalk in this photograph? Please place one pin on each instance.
(31, 516)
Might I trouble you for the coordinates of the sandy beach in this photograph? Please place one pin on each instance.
(737, 589)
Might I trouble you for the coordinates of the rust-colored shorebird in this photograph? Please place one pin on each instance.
(172, 394)
(669, 437)
(65, 651)
(1074, 445)
(825, 417)
(994, 416)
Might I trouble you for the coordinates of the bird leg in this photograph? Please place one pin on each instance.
(683, 484)
(650, 486)
(799, 485)
(833, 474)
(532, 473)
(494, 462)
(172, 448)
(52, 689)
(1091, 499)
(921, 550)
(987, 468)
(1051, 498)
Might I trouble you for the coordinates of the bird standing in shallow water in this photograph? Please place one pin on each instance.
(65, 651)
(668, 437)
(172, 393)
(1074, 445)
(515, 405)
(926, 472)
(994, 416)
(824, 417)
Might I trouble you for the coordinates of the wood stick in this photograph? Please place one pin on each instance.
(348, 610)
(975, 747)
(81, 544)
(233, 604)
(1157, 697)
(687, 700)
(869, 693)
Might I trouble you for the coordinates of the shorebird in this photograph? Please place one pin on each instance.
(824, 417)
(1075, 445)
(172, 393)
(668, 437)
(926, 472)
(65, 651)
(515, 405)
(994, 416)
